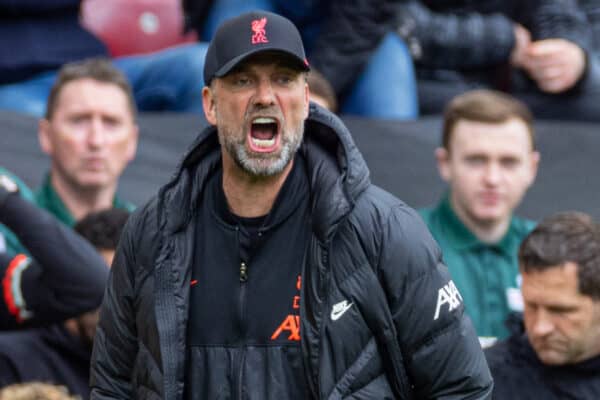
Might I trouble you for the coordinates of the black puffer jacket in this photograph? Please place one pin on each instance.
(466, 35)
(367, 247)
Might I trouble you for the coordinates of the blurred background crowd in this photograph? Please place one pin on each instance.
(88, 71)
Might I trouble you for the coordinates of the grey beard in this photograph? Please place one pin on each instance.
(258, 166)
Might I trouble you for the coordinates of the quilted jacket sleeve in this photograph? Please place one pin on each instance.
(115, 344)
(443, 358)
(454, 40)
(467, 38)
(560, 19)
(64, 277)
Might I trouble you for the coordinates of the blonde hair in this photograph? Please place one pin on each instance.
(485, 105)
(36, 391)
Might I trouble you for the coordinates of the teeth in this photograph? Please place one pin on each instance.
(264, 120)
(263, 142)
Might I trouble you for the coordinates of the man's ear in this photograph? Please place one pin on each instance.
(442, 157)
(209, 105)
(535, 162)
(133, 142)
(44, 136)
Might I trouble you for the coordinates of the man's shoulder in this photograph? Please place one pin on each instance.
(511, 355)
(522, 226)
(377, 202)
(399, 225)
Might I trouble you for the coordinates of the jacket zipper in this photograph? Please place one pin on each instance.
(242, 356)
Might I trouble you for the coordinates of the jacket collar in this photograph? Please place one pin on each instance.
(336, 171)
(48, 199)
(461, 238)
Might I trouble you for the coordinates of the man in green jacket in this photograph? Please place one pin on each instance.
(489, 160)
(90, 133)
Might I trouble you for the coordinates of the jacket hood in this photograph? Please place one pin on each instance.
(337, 173)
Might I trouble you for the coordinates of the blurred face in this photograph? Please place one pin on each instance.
(562, 324)
(488, 167)
(259, 110)
(91, 136)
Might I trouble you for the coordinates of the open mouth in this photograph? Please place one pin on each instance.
(264, 134)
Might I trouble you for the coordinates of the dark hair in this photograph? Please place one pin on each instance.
(568, 236)
(98, 69)
(320, 86)
(484, 106)
(103, 228)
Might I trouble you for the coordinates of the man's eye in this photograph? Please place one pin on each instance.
(510, 162)
(242, 81)
(475, 161)
(284, 79)
(78, 119)
(111, 122)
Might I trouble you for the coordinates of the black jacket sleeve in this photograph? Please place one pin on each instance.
(115, 344)
(65, 277)
(469, 38)
(563, 19)
(443, 357)
(455, 40)
(348, 39)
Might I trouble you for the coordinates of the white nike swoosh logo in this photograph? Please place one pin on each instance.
(339, 309)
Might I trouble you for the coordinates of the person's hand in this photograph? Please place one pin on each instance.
(522, 42)
(555, 65)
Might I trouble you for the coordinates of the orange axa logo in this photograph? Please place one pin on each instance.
(260, 34)
(291, 323)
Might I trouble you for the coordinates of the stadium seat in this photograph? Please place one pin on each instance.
(135, 26)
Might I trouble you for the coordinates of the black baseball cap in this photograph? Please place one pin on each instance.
(248, 34)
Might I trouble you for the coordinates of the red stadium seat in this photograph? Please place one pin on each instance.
(135, 26)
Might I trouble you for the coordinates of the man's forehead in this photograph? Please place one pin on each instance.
(86, 93)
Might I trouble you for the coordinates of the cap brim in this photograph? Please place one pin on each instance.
(231, 64)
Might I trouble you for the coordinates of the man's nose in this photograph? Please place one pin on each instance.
(542, 325)
(265, 94)
(493, 174)
(96, 135)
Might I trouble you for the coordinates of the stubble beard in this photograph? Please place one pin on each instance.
(257, 164)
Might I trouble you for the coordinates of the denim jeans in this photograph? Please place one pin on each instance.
(385, 89)
(167, 80)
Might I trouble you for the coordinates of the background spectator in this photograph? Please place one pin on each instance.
(321, 91)
(536, 50)
(90, 133)
(350, 42)
(38, 36)
(52, 286)
(557, 356)
(488, 159)
(60, 353)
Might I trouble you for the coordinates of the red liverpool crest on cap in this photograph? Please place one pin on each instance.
(260, 34)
